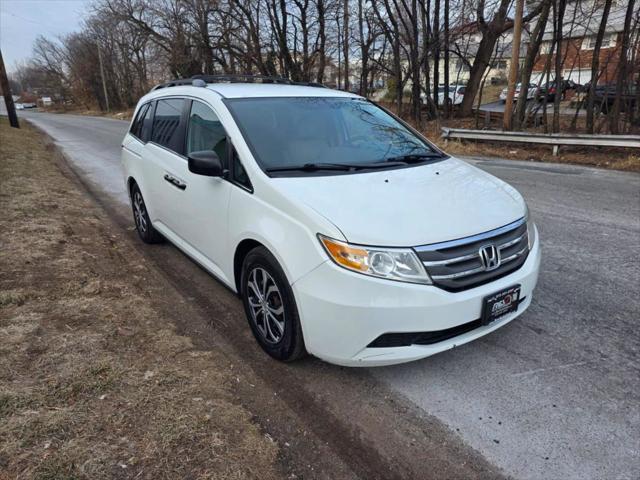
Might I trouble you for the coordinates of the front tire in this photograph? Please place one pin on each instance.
(270, 306)
(145, 229)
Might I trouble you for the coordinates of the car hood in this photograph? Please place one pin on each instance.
(413, 206)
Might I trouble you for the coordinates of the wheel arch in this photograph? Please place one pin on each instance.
(243, 248)
(130, 183)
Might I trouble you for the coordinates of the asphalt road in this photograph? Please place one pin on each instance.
(556, 393)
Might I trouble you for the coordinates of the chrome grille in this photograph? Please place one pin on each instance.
(458, 264)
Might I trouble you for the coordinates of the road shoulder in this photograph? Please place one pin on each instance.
(95, 382)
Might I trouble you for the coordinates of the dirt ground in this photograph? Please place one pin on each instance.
(94, 382)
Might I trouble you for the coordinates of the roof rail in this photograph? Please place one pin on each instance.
(233, 78)
(179, 82)
(202, 80)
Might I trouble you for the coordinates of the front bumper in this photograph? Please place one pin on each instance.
(342, 312)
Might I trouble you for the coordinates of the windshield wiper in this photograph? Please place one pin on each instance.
(313, 167)
(413, 157)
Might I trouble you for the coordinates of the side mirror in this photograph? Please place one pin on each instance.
(205, 162)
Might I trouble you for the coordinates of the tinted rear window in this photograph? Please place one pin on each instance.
(166, 123)
(136, 126)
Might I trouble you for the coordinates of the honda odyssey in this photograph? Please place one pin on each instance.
(344, 231)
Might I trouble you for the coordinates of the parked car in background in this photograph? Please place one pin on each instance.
(549, 89)
(532, 92)
(605, 96)
(29, 105)
(19, 106)
(344, 231)
(453, 96)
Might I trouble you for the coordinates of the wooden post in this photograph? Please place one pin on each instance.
(515, 63)
(448, 100)
(8, 99)
(104, 83)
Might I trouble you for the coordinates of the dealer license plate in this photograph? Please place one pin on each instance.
(500, 304)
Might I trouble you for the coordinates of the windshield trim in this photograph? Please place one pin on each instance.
(324, 173)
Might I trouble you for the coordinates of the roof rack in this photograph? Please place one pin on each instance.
(203, 80)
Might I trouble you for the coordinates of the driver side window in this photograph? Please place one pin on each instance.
(206, 132)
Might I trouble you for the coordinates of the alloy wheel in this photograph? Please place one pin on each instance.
(266, 306)
(139, 212)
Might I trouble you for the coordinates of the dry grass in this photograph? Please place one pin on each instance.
(94, 382)
(611, 158)
(118, 114)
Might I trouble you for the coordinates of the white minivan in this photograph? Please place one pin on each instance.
(344, 231)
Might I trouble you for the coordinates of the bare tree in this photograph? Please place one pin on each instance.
(621, 80)
(558, 24)
(533, 50)
(491, 29)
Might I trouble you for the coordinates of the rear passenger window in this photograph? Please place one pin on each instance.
(166, 123)
(145, 128)
(137, 125)
(206, 132)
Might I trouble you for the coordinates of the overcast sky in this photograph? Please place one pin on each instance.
(21, 21)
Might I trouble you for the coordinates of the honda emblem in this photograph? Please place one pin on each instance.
(489, 257)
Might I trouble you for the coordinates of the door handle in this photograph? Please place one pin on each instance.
(175, 182)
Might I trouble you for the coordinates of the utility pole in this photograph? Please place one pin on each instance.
(8, 99)
(513, 68)
(104, 84)
(345, 44)
(448, 100)
(436, 52)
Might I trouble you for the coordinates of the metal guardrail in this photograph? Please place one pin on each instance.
(554, 139)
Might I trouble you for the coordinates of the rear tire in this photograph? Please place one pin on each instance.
(270, 306)
(145, 230)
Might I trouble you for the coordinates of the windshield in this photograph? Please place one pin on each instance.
(303, 131)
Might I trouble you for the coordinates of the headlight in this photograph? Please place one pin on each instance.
(401, 264)
(531, 229)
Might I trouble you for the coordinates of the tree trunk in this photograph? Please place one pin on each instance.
(513, 67)
(595, 64)
(447, 103)
(415, 64)
(323, 40)
(558, 25)
(532, 53)
(8, 98)
(480, 64)
(345, 43)
(426, 39)
(491, 31)
(364, 52)
(622, 70)
(436, 51)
